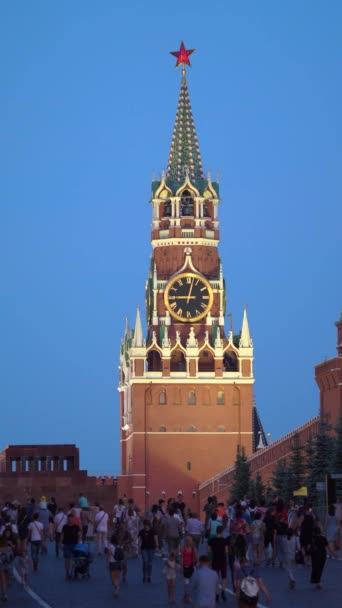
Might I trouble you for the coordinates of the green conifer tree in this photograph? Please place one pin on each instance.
(309, 457)
(321, 461)
(242, 476)
(281, 479)
(296, 465)
(259, 488)
(337, 460)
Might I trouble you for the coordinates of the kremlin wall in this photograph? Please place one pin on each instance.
(328, 376)
(53, 470)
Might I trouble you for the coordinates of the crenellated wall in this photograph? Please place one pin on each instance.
(263, 462)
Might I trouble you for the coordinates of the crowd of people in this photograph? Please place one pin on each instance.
(239, 538)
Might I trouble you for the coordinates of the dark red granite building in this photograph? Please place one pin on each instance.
(51, 470)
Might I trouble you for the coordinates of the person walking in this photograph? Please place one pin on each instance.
(318, 550)
(248, 580)
(71, 535)
(6, 558)
(290, 546)
(85, 521)
(189, 561)
(332, 531)
(173, 531)
(194, 528)
(148, 543)
(60, 520)
(170, 571)
(208, 509)
(219, 554)
(101, 530)
(115, 557)
(204, 584)
(35, 537)
(257, 536)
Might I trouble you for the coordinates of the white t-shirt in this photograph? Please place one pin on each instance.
(36, 529)
(194, 526)
(101, 522)
(120, 512)
(60, 520)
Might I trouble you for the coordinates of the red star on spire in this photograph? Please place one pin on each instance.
(182, 55)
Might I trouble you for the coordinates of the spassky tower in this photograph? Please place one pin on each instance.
(186, 389)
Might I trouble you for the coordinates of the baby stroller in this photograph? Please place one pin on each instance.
(81, 560)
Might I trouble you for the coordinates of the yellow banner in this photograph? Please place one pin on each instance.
(303, 491)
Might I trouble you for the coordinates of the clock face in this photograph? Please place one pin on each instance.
(188, 297)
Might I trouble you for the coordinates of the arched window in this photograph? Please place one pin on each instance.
(154, 361)
(221, 429)
(162, 398)
(177, 396)
(206, 361)
(177, 363)
(187, 204)
(206, 396)
(167, 208)
(220, 398)
(230, 361)
(236, 396)
(191, 398)
(162, 429)
(192, 429)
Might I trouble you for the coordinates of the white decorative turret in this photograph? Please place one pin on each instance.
(166, 342)
(245, 340)
(261, 444)
(192, 342)
(127, 329)
(138, 340)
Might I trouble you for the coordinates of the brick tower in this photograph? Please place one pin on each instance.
(186, 391)
(328, 376)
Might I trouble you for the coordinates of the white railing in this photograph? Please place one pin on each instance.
(188, 234)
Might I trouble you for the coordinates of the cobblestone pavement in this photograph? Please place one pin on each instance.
(55, 592)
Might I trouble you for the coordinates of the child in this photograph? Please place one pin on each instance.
(189, 560)
(170, 573)
(115, 558)
(291, 545)
(23, 564)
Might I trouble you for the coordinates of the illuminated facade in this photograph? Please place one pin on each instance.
(186, 391)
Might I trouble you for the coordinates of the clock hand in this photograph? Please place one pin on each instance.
(191, 286)
(182, 297)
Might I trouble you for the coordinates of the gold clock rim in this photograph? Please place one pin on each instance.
(210, 291)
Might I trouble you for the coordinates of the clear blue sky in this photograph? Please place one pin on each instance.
(87, 105)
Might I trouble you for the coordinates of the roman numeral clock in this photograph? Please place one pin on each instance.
(188, 297)
(189, 358)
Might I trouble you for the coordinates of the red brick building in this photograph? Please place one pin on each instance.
(186, 391)
(328, 376)
(51, 470)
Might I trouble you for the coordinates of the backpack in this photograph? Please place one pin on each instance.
(119, 554)
(249, 588)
